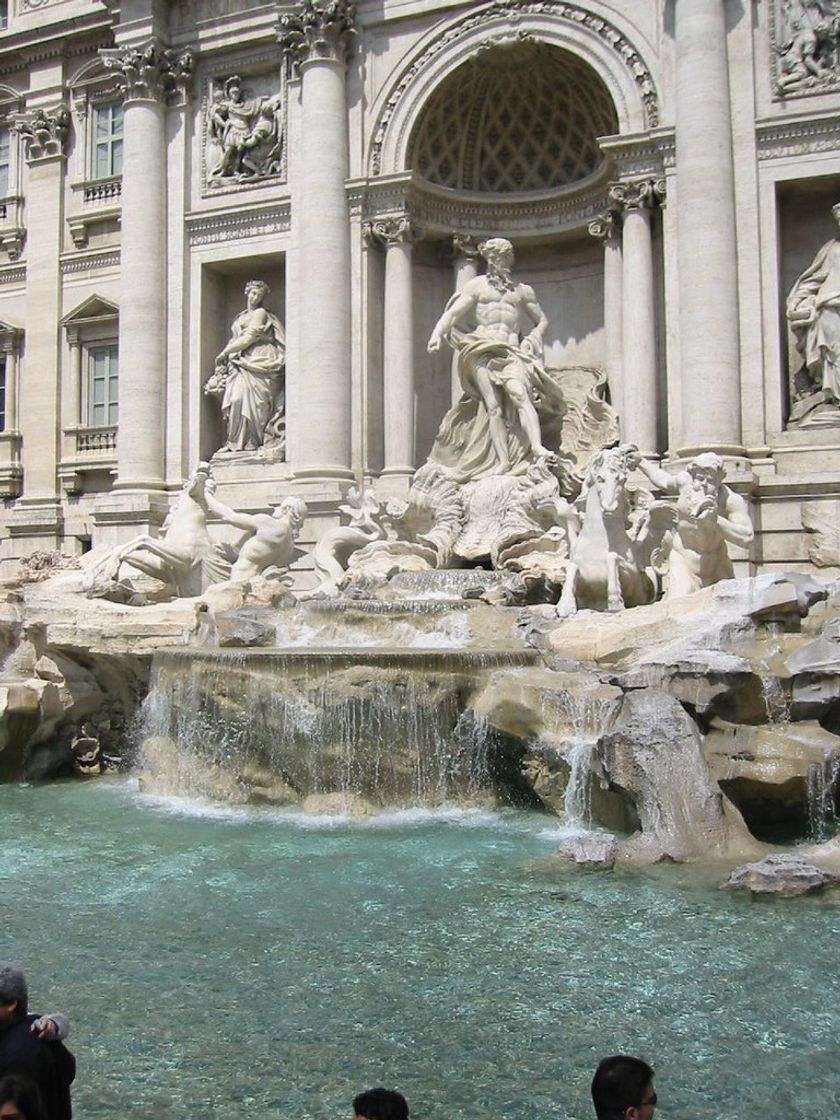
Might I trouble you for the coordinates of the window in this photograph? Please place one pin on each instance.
(4, 161)
(102, 386)
(107, 139)
(4, 14)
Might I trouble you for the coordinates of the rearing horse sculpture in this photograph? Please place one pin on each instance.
(606, 567)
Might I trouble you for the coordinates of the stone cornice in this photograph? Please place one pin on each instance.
(782, 138)
(318, 30)
(440, 211)
(210, 227)
(644, 153)
(71, 263)
(13, 274)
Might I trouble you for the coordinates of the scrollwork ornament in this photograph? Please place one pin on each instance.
(606, 226)
(318, 29)
(43, 132)
(150, 73)
(464, 245)
(392, 231)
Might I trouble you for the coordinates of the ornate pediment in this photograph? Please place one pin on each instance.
(95, 309)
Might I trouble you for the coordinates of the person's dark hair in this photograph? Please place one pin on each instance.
(13, 987)
(381, 1104)
(24, 1094)
(619, 1083)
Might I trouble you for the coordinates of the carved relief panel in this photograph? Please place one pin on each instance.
(243, 129)
(805, 47)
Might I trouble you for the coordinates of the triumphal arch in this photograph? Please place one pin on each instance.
(229, 230)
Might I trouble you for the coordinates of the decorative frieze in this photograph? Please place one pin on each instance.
(44, 132)
(90, 262)
(238, 225)
(805, 47)
(798, 136)
(318, 29)
(150, 74)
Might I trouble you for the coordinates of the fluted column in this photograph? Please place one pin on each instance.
(708, 289)
(318, 36)
(397, 236)
(149, 76)
(464, 269)
(640, 391)
(607, 228)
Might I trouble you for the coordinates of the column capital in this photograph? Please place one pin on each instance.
(637, 194)
(606, 227)
(318, 30)
(398, 230)
(464, 245)
(44, 132)
(149, 73)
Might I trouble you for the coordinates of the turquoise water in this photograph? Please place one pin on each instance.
(250, 964)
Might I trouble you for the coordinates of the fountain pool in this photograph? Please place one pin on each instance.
(256, 963)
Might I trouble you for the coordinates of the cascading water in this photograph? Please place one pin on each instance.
(385, 726)
(822, 799)
(587, 718)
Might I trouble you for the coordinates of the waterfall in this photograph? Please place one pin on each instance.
(774, 693)
(822, 794)
(386, 726)
(587, 717)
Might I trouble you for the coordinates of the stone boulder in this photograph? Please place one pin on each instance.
(653, 754)
(709, 682)
(785, 875)
(589, 849)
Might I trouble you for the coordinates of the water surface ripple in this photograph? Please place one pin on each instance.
(237, 963)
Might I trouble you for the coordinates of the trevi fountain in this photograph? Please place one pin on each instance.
(458, 773)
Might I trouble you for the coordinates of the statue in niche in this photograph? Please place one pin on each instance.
(709, 515)
(248, 133)
(809, 52)
(184, 558)
(496, 427)
(269, 548)
(248, 378)
(813, 311)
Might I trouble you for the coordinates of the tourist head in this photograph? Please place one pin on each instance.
(19, 1099)
(380, 1104)
(14, 997)
(835, 210)
(498, 252)
(256, 291)
(622, 1089)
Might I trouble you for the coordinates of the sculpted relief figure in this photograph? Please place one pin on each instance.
(709, 515)
(808, 54)
(813, 311)
(184, 558)
(496, 327)
(247, 131)
(249, 377)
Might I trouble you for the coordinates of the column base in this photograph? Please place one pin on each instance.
(139, 484)
(727, 450)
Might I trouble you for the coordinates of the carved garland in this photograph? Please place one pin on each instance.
(572, 13)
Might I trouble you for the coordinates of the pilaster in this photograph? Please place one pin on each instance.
(607, 229)
(465, 258)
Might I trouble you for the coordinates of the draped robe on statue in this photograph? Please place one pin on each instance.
(254, 390)
(463, 445)
(819, 341)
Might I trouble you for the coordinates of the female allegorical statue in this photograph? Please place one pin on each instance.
(249, 377)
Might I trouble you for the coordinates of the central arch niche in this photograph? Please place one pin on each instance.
(514, 118)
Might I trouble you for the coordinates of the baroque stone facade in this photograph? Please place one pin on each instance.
(666, 174)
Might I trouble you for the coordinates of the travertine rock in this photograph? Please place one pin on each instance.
(786, 875)
(593, 849)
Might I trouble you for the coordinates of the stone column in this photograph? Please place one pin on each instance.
(708, 287)
(44, 134)
(607, 228)
(317, 35)
(640, 390)
(397, 235)
(149, 75)
(464, 269)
